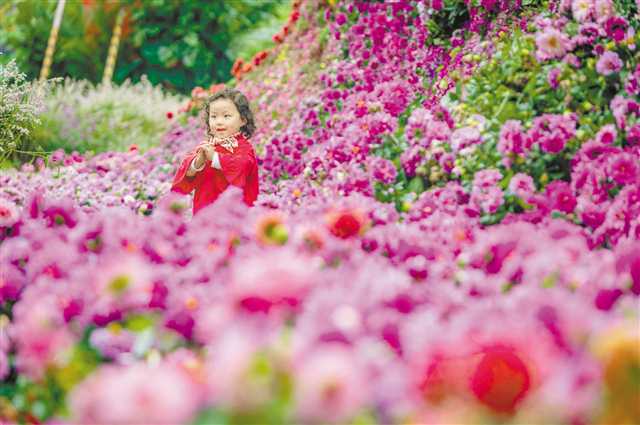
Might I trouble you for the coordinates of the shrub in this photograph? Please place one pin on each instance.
(83, 117)
(20, 102)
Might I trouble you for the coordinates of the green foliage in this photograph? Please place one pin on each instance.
(246, 44)
(83, 117)
(83, 39)
(513, 85)
(178, 44)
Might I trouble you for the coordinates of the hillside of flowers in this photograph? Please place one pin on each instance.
(448, 232)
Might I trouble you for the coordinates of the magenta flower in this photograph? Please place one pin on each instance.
(561, 197)
(512, 139)
(609, 63)
(616, 27)
(623, 168)
(552, 132)
(633, 135)
(607, 134)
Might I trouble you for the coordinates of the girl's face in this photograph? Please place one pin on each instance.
(224, 118)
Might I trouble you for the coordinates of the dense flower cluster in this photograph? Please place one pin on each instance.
(323, 303)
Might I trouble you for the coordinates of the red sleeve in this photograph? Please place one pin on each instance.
(181, 182)
(251, 188)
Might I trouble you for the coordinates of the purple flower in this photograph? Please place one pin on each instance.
(609, 63)
(552, 77)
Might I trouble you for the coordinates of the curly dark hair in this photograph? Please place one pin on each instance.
(242, 104)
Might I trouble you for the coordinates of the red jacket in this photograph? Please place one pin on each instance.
(239, 168)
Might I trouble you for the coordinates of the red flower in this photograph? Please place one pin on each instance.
(501, 379)
(169, 115)
(346, 223)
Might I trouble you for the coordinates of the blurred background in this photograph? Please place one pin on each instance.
(178, 44)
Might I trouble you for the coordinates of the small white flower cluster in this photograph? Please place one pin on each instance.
(20, 103)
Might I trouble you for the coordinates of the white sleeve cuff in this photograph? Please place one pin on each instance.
(193, 167)
(215, 161)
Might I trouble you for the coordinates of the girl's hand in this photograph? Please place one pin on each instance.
(208, 151)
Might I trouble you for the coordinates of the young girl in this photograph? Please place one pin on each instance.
(226, 157)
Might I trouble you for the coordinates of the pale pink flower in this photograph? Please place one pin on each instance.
(9, 213)
(552, 43)
(134, 394)
(278, 276)
(609, 63)
(582, 9)
(330, 385)
(522, 185)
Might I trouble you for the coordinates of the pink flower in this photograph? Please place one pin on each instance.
(552, 77)
(57, 157)
(512, 138)
(447, 162)
(485, 194)
(39, 334)
(522, 185)
(609, 63)
(561, 197)
(134, 394)
(276, 277)
(330, 385)
(633, 134)
(465, 137)
(9, 213)
(552, 132)
(383, 170)
(632, 85)
(582, 9)
(125, 281)
(603, 10)
(623, 168)
(552, 43)
(607, 134)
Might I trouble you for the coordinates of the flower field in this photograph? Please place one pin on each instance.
(448, 232)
